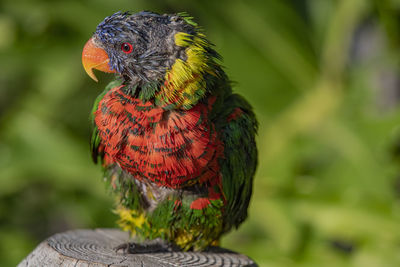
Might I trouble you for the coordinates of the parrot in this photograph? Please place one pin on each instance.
(176, 145)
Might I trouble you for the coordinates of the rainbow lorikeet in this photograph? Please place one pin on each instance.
(176, 145)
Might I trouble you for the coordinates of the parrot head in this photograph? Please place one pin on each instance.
(148, 48)
(139, 47)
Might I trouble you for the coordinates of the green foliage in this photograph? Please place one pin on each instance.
(321, 76)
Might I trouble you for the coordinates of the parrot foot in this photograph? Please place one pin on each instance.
(145, 247)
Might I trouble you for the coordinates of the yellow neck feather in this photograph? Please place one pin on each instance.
(184, 82)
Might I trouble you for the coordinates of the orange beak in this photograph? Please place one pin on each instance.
(94, 57)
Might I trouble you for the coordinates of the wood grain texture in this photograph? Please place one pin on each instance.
(96, 248)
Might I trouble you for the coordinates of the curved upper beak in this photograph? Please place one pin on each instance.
(94, 57)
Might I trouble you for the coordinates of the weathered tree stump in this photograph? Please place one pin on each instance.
(96, 248)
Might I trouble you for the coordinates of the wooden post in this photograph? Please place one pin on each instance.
(96, 248)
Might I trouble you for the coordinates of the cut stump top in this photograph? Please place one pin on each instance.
(96, 248)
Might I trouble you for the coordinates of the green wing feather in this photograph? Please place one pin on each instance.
(239, 165)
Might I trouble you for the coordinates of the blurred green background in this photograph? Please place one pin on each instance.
(322, 75)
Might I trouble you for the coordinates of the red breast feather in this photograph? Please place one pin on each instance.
(171, 148)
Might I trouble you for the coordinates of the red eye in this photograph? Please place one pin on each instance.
(126, 48)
